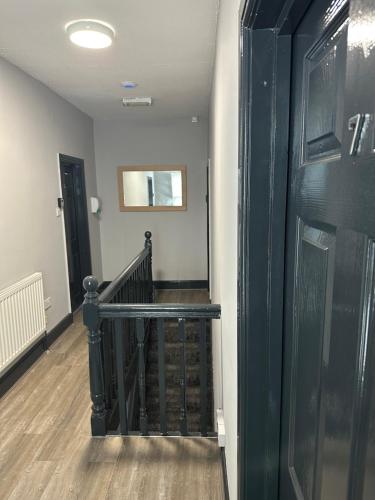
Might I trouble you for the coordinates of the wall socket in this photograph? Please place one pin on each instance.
(47, 303)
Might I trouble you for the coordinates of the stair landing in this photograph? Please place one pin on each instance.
(47, 453)
(172, 363)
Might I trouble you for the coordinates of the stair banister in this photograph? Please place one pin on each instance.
(124, 315)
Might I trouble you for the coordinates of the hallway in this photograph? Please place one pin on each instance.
(46, 451)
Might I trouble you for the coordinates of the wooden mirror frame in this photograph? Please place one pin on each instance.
(154, 168)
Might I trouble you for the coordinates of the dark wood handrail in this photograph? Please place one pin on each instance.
(107, 295)
(115, 285)
(170, 311)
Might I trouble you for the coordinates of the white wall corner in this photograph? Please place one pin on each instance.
(220, 427)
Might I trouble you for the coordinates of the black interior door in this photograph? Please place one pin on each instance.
(76, 226)
(328, 421)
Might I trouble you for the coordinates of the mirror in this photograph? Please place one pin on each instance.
(152, 188)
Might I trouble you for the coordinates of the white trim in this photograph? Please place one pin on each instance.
(210, 190)
(220, 428)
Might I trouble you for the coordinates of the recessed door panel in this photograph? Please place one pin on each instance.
(324, 82)
(315, 262)
(340, 368)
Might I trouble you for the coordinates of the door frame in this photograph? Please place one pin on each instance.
(64, 159)
(266, 30)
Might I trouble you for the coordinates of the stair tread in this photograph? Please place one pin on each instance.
(172, 348)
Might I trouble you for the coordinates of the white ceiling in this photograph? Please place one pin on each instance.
(166, 46)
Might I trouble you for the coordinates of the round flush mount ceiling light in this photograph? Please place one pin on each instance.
(90, 33)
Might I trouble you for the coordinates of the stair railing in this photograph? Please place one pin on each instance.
(99, 312)
(113, 346)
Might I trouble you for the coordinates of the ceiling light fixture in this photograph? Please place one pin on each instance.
(90, 33)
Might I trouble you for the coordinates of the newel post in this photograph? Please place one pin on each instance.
(148, 241)
(91, 320)
(148, 244)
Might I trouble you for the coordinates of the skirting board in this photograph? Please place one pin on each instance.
(27, 360)
(225, 475)
(181, 285)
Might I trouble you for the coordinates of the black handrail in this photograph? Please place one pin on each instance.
(115, 285)
(168, 311)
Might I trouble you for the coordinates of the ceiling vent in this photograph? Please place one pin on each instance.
(137, 101)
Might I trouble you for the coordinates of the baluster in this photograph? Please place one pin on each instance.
(141, 375)
(132, 321)
(143, 282)
(128, 328)
(137, 286)
(127, 293)
(181, 336)
(107, 358)
(119, 343)
(126, 344)
(91, 320)
(150, 287)
(113, 360)
(161, 352)
(203, 375)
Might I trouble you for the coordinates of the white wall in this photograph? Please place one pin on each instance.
(179, 238)
(224, 179)
(36, 125)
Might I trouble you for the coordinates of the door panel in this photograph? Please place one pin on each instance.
(367, 371)
(328, 434)
(76, 228)
(323, 89)
(310, 346)
(340, 368)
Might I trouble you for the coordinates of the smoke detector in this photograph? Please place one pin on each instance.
(127, 84)
(136, 101)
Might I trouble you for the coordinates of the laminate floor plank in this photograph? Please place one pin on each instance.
(47, 453)
(183, 296)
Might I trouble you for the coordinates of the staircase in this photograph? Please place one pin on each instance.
(173, 388)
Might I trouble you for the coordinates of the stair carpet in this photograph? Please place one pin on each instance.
(172, 378)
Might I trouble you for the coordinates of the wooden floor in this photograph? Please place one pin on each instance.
(183, 296)
(46, 451)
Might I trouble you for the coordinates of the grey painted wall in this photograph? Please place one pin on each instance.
(35, 125)
(179, 238)
(224, 205)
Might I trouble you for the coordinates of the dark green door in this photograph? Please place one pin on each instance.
(328, 421)
(76, 226)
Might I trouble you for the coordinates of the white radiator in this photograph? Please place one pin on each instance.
(22, 318)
